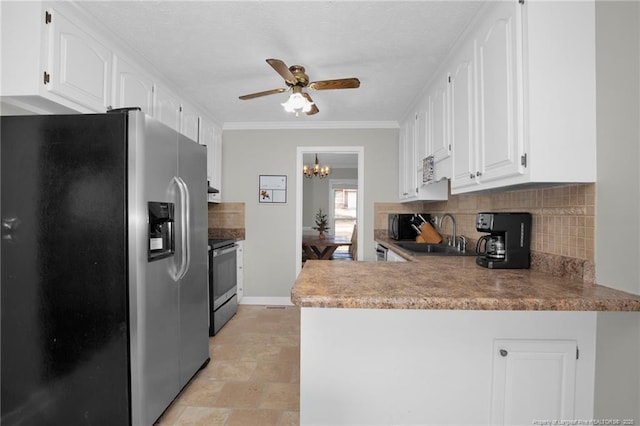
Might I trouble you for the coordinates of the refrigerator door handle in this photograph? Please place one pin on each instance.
(182, 270)
(186, 227)
(9, 226)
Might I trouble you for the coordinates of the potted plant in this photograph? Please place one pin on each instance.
(321, 223)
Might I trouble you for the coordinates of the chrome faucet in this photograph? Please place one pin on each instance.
(462, 243)
(452, 241)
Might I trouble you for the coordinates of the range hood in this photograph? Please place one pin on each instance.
(211, 189)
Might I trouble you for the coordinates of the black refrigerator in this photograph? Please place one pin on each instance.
(104, 313)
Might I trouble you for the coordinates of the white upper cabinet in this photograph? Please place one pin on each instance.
(500, 143)
(57, 60)
(189, 122)
(407, 166)
(132, 88)
(462, 97)
(533, 119)
(439, 110)
(166, 107)
(211, 137)
(79, 67)
(414, 145)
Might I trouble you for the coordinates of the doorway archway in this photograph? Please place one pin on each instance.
(301, 150)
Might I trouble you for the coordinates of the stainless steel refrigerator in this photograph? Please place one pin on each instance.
(104, 268)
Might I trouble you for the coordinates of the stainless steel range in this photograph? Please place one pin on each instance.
(223, 300)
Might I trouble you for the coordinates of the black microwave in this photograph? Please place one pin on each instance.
(400, 225)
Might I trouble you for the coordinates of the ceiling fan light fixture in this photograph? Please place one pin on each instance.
(297, 103)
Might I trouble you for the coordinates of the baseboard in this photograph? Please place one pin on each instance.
(265, 301)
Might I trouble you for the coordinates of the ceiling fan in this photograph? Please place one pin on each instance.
(296, 79)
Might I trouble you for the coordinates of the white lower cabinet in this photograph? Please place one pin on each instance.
(444, 367)
(533, 379)
(393, 257)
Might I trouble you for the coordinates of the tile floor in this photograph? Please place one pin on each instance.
(253, 377)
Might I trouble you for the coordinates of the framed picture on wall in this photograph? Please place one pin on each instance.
(272, 189)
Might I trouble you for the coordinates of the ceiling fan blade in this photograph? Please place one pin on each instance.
(343, 83)
(265, 93)
(282, 69)
(314, 109)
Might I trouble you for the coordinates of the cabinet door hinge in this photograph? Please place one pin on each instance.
(523, 160)
(47, 17)
(46, 78)
(577, 353)
(449, 147)
(449, 79)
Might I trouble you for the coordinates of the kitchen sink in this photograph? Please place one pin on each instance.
(425, 249)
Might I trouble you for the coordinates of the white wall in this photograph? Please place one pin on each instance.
(270, 261)
(618, 205)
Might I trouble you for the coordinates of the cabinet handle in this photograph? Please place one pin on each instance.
(472, 176)
(478, 173)
(503, 352)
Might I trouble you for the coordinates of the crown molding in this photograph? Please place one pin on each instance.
(286, 125)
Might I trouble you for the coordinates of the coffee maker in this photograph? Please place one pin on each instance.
(508, 244)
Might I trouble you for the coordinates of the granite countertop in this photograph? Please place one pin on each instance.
(453, 282)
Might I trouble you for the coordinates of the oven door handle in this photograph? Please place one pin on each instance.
(221, 251)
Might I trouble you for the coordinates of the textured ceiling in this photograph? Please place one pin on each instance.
(215, 51)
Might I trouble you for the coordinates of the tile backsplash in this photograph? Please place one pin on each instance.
(226, 220)
(563, 219)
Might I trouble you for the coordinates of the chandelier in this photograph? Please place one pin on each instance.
(316, 170)
(297, 102)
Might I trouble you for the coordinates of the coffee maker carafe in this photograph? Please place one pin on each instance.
(508, 244)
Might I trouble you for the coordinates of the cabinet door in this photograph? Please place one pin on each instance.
(189, 122)
(166, 108)
(499, 60)
(422, 143)
(131, 87)
(402, 181)
(438, 105)
(533, 379)
(213, 141)
(79, 67)
(463, 142)
(407, 164)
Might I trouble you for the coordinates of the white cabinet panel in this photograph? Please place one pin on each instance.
(79, 67)
(463, 139)
(189, 122)
(210, 137)
(132, 88)
(534, 119)
(407, 166)
(500, 142)
(166, 107)
(439, 106)
(533, 379)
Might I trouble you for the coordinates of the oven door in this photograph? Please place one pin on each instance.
(223, 275)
